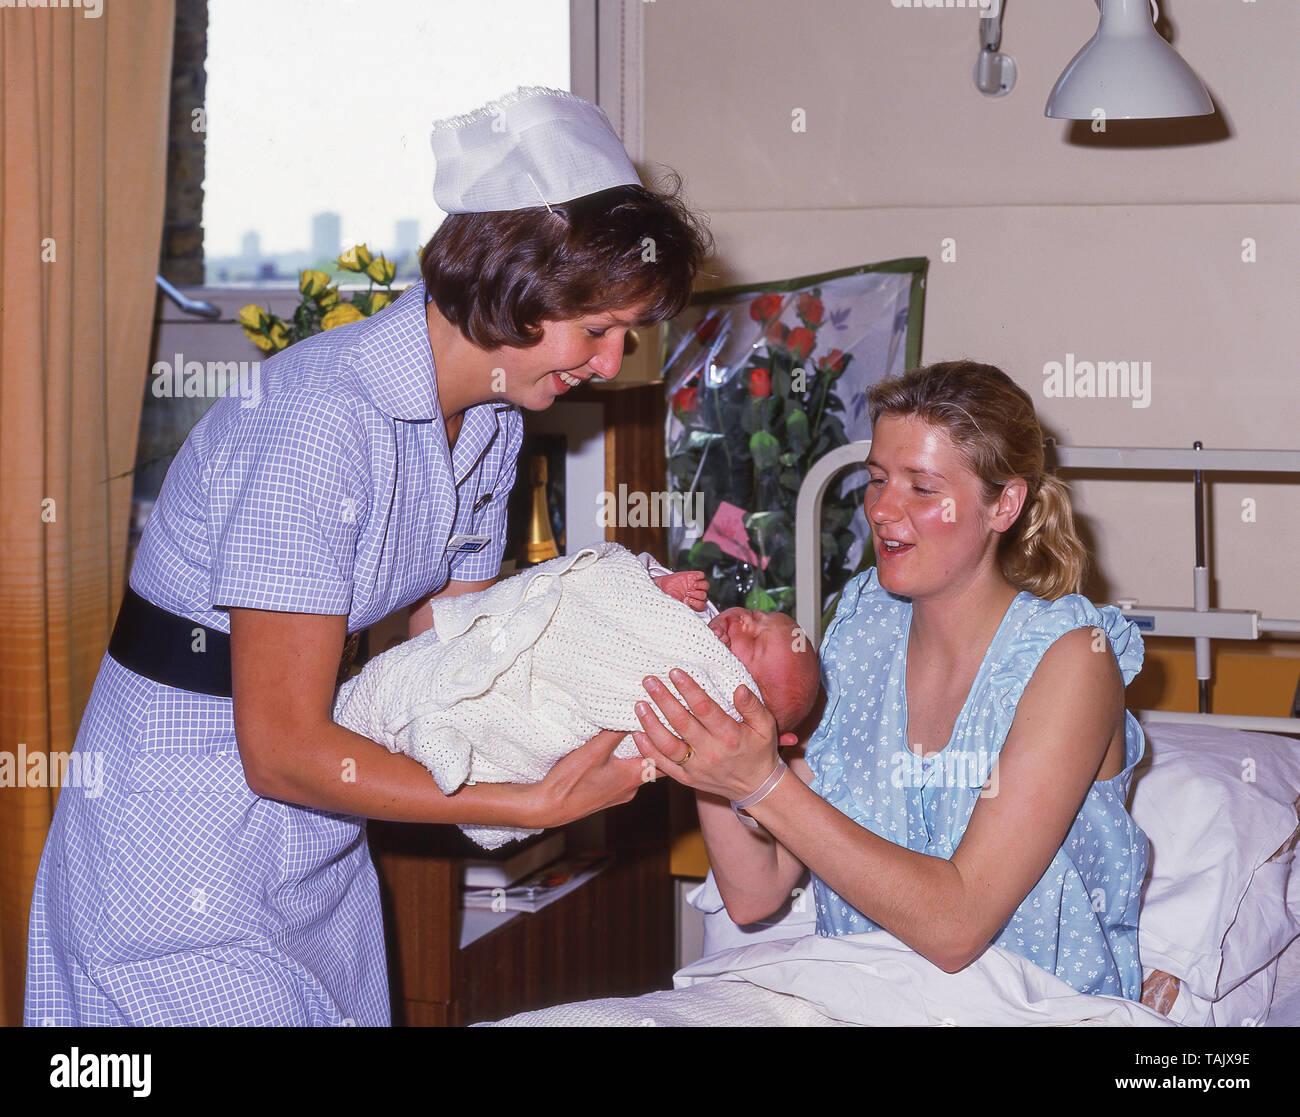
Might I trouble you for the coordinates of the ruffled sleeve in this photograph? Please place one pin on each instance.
(1042, 628)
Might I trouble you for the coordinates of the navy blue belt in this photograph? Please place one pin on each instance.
(180, 652)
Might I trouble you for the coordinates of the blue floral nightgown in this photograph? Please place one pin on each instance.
(1080, 920)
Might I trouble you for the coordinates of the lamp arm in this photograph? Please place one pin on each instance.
(995, 72)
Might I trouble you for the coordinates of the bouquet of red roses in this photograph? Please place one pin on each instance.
(741, 439)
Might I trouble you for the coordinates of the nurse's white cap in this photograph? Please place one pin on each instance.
(532, 147)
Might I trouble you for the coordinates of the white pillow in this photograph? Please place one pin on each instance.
(1216, 804)
(796, 919)
(1246, 1006)
(1267, 921)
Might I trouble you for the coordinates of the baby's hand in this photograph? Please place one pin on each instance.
(688, 586)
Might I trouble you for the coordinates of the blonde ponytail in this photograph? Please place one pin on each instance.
(1042, 553)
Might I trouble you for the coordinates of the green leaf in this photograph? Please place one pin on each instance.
(759, 598)
(781, 381)
(704, 554)
(796, 425)
(783, 598)
(762, 527)
(765, 450)
(697, 440)
(835, 516)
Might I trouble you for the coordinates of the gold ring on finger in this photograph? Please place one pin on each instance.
(689, 753)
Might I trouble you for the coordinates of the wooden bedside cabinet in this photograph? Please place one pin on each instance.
(612, 937)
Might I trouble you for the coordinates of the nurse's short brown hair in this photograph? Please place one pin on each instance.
(498, 276)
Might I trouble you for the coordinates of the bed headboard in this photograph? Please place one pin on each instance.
(1201, 623)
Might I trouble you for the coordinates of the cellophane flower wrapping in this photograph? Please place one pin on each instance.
(762, 381)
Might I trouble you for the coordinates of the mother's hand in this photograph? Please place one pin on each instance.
(711, 751)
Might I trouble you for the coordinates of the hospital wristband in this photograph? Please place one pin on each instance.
(763, 791)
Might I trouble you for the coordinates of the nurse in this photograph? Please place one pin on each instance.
(222, 876)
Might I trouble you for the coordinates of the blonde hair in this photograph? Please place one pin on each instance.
(992, 423)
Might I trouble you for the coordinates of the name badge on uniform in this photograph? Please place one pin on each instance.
(468, 544)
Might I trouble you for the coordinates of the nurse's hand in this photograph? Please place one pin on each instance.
(725, 757)
(589, 779)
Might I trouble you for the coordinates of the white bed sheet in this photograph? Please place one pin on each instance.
(1285, 1012)
(869, 979)
(1278, 1005)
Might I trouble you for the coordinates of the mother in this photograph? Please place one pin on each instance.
(966, 784)
(223, 876)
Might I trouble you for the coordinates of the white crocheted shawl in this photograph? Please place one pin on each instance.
(510, 680)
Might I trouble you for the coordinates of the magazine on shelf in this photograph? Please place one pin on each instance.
(543, 887)
(505, 869)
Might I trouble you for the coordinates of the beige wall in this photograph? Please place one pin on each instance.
(1065, 242)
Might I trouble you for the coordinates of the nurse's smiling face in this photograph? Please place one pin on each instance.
(570, 353)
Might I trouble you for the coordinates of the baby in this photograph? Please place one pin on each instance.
(510, 680)
(772, 646)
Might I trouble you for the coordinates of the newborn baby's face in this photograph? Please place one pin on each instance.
(763, 642)
(778, 655)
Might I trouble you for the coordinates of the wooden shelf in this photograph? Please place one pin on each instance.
(611, 937)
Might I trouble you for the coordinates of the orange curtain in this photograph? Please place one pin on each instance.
(83, 149)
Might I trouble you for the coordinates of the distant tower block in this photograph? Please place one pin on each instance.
(251, 246)
(325, 233)
(406, 238)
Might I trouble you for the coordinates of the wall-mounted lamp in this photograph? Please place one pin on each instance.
(995, 72)
(1127, 71)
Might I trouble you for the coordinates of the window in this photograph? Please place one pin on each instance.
(318, 120)
(316, 133)
(316, 137)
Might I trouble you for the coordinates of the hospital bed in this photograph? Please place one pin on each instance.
(1215, 795)
(1199, 760)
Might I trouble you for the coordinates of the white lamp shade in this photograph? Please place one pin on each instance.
(1128, 71)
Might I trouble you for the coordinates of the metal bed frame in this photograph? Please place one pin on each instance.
(1201, 622)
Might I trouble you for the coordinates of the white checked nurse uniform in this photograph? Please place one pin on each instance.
(176, 895)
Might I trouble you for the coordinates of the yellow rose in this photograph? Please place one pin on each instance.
(280, 336)
(356, 258)
(379, 300)
(329, 297)
(252, 317)
(311, 282)
(381, 270)
(260, 340)
(341, 315)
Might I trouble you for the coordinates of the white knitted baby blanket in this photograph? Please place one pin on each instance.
(510, 680)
